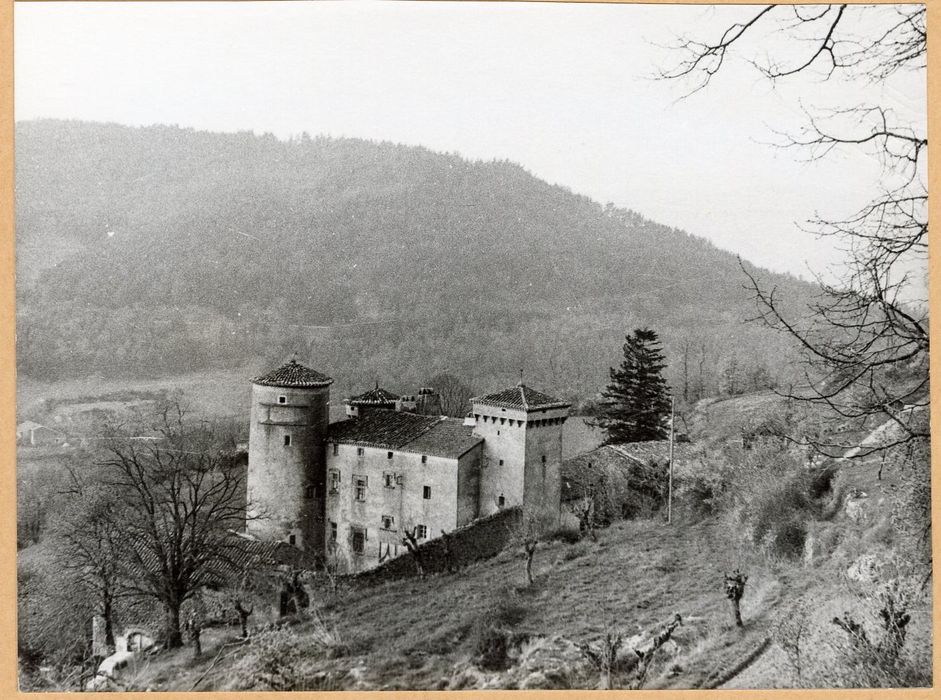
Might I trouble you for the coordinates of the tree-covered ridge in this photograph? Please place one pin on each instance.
(222, 248)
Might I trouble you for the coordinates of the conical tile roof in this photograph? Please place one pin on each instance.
(293, 374)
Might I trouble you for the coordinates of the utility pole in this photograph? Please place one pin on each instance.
(670, 480)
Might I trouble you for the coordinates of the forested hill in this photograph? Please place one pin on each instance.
(162, 250)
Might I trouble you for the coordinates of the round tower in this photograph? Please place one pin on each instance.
(286, 456)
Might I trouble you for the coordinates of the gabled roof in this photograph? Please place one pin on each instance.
(231, 554)
(382, 429)
(521, 396)
(448, 438)
(582, 470)
(293, 374)
(407, 432)
(373, 397)
(655, 450)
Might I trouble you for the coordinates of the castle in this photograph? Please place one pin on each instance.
(394, 464)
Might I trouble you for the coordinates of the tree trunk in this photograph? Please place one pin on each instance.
(108, 614)
(243, 620)
(174, 638)
(530, 553)
(736, 612)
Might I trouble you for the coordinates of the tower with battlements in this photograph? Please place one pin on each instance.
(522, 431)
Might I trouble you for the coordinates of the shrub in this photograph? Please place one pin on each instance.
(579, 549)
(493, 636)
(787, 539)
(491, 649)
(566, 533)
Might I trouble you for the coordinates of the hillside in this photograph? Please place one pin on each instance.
(161, 250)
(415, 634)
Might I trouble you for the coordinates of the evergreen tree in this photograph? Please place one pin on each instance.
(637, 401)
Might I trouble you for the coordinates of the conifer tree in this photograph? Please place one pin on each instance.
(637, 401)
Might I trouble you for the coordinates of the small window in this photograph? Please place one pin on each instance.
(501, 462)
(334, 481)
(426, 492)
(287, 440)
(333, 531)
(359, 451)
(388, 522)
(361, 489)
(424, 459)
(543, 459)
(282, 399)
(388, 455)
(421, 532)
(292, 539)
(336, 449)
(501, 501)
(358, 537)
(388, 480)
(498, 432)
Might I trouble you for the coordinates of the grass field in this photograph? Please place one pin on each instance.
(420, 634)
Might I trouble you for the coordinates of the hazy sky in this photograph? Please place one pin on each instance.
(565, 90)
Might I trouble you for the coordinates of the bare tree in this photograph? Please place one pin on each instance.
(865, 340)
(645, 655)
(604, 657)
(734, 590)
(527, 539)
(410, 540)
(333, 566)
(180, 496)
(455, 394)
(86, 543)
(584, 509)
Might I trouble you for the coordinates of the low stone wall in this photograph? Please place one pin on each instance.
(478, 540)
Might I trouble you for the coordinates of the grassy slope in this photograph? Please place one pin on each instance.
(413, 634)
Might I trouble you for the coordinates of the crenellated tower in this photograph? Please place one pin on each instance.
(522, 431)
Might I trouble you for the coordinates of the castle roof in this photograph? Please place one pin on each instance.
(373, 397)
(521, 396)
(293, 374)
(407, 432)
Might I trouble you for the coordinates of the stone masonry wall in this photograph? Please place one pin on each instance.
(478, 540)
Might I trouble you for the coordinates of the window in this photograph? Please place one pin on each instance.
(292, 539)
(282, 399)
(543, 459)
(388, 522)
(359, 451)
(424, 459)
(501, 462)
(287, 440)
(358, 540)
(388, 480)
(334, 481)
(336, 449)
(333, 531)
(501, 501)
(388, 455)
(360, 482)
(426, 492)
(421, 532)
(498, 432)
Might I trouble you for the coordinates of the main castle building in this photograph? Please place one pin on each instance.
(394, 464)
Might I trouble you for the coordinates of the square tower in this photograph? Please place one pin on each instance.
(522, 458)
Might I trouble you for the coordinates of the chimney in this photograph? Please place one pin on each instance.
(429, 402)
